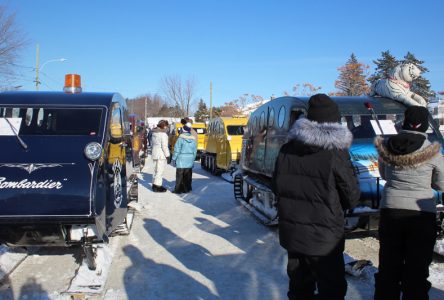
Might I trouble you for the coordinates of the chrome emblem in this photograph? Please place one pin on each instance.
(30, 167)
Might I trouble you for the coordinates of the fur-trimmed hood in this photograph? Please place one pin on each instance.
(414, 159)
(158, 129)
(324, 135)
(188, 137)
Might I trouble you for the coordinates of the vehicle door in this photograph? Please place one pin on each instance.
(117, 183)
(223, 146)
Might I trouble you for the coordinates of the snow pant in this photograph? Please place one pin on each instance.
(183, 180)
(159, 166)
(406, 242)
(326, 273)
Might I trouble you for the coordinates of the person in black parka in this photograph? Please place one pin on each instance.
(314, 182)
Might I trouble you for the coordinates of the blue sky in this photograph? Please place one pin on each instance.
(257, 47)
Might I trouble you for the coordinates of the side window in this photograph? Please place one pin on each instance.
(116, 116)
(116, 129)
(28, 118)
(271, 117)
(281, 116)
(262, 121)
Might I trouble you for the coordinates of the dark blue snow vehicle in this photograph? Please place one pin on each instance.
(267, 131)
(66, 169)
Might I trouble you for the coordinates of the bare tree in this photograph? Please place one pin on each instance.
(230, 109)
(242, 101)
(147, 105)
(12, 42)
(306, 89)
(180, 94)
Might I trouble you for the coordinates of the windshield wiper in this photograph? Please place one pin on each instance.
(16, 134)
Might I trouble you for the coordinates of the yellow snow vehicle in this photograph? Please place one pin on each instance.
(201, 130)
(223, 143)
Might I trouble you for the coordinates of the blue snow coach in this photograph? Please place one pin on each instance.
(267, 131)
(66, 169)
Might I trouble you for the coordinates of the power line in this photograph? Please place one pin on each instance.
(21, 66)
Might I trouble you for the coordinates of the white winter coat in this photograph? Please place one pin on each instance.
(159, 144)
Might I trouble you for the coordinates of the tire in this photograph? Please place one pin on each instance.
(134, 191)
(117, 189)
(213, 167)
(202, 162)
(90, 257)
(247, 191)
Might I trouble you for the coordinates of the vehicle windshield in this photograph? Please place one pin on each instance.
(362, 127)
(235, 129)
(51, 121)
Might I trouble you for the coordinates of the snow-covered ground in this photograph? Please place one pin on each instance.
(201, 245)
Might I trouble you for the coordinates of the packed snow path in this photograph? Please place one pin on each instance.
(201, 245)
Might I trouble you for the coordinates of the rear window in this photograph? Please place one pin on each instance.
(52, 121)
(235, 130)
(200, 130)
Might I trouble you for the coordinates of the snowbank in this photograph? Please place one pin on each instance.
(439, 247)
(10, 258)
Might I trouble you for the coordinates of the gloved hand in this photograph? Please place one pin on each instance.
(173, 162)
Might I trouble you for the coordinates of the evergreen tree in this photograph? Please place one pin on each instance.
(420, 85)
(202, 112)
(352, 78)
(383, 66)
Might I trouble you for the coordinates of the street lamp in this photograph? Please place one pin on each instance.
(38, 69)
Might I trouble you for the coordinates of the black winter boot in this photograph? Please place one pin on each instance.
(158, 189)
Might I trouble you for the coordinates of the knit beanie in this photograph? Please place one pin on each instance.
(322, 109)
(416, 118)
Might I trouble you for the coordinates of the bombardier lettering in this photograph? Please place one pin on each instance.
(25, 184)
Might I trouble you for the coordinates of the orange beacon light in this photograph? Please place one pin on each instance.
(72, 84)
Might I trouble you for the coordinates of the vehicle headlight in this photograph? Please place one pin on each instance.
(93, 151)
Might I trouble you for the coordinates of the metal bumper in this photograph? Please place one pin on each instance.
(42, 231)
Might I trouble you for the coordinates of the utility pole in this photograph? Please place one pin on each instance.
(211, 100)
(146, 99)
(37, 68)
